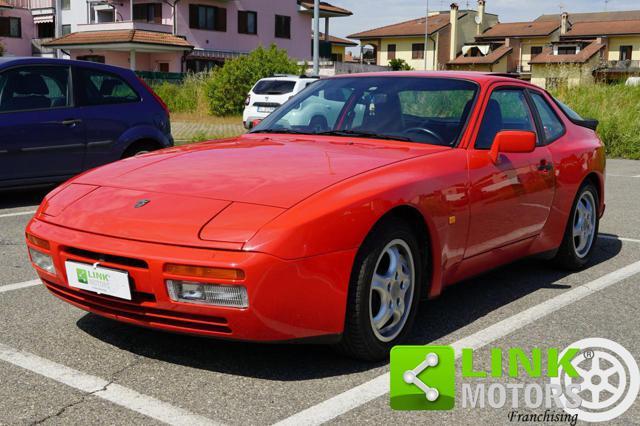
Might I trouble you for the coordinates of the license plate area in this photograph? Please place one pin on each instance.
(98, 279)
(266, 109)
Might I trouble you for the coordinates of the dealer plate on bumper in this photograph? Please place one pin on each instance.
(97, 279)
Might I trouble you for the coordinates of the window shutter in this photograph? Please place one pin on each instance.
(221, 19)
(157, 13)
(242, 22)
(193, 16)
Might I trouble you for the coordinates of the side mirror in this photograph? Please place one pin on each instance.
(512, 141)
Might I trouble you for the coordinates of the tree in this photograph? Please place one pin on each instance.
(399, 65)
(228, 87)
(1, 48)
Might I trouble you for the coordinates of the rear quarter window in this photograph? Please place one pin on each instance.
(97, 87)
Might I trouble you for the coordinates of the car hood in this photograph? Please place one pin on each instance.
(213, 194)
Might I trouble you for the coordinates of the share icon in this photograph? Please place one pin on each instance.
(411, 376)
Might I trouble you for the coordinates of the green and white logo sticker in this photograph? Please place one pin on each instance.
(423, 378)
(82, 276)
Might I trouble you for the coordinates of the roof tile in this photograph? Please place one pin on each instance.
(414, 27)
(120, 36)
(547, 56)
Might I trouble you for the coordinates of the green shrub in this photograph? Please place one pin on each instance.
(616, 107)
(190, 96)
(399, 65)
(228, 87)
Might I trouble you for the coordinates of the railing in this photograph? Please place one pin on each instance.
(125, 25)
(32, 4)
(38, 49)
(627, 65)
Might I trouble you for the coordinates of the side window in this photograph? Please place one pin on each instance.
(102, 88)
(34, 88)
(553, 127)
(507, 110)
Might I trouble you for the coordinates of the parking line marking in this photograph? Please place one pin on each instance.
(30, 212)
(18, 286)
(368, 391)
(96, 386)
(615, 237)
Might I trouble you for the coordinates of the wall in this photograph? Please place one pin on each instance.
(616, 42)
(572, 74)
(19, 46)
(525, 50)
(404, 51)
(299, 46)
(338, 50)
(144, 61)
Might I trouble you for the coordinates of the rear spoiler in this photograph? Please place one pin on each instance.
(588, 123)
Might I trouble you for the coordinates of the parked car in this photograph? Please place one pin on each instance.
(269, 93)
(59, 118)
(289, 233)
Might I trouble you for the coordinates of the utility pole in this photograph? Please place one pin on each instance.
(316, 37)
(426, 36)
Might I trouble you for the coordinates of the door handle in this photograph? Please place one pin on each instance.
(545, 166)
(71, 122)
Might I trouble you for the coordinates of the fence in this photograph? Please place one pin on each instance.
(160, 77)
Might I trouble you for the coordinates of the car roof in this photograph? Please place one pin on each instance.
(288, 78)
(27, 60)
(480, 77)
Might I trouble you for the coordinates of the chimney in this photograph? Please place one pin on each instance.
(564, 25)
(480, 19)
(453, 20)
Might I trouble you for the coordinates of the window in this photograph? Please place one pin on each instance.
(391, 51)
(99, 12)
(417, 51)
(45, 30)
(211, 18)
(10, 27)
(163, 67)
(336, 57)
(247, 22)
(535, 51)
(66, 29)
(283, 26)
(34, 88)
(274, 87)
(100, 88)
(66, 4)
(626, 52)
(507, 109)
(92, 58)
(574, 116)
(567, 50)
(425, 110)
(553, 127)
(148, 12)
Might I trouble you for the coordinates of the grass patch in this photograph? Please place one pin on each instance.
(617, 107)
(188, 97)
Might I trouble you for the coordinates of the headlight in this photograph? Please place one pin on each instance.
(42, 260)
(234, 296)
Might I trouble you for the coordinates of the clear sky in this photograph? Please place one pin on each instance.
(376, 13)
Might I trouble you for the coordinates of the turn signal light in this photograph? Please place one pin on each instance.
(37, 241)
(204, 272)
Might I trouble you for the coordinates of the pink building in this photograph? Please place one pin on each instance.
(16, 30)
(191, 35)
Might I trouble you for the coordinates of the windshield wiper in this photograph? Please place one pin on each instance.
(356, 133)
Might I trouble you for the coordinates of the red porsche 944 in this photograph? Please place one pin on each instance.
(332, 218)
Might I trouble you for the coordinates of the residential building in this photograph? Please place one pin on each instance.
(563, 49)
(171, 36)
(16, 28)
(448, 31)
(338, 47)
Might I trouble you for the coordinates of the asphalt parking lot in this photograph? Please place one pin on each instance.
(60, 365)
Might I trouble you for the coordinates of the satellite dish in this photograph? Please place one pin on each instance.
(478, 20)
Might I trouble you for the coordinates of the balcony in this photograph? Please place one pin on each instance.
(126, 25)
(32, 4)
(622, 66)
(37, 48)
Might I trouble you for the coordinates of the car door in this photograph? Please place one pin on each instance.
(110, 106)
(511, 198)
(41, 133)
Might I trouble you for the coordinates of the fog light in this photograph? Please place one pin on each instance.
(42, 261)
(209, 294)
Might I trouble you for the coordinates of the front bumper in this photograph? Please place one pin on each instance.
(288, 300)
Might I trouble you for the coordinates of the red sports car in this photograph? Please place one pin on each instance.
(329, 221)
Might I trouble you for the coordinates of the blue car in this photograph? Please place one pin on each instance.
(60, 117)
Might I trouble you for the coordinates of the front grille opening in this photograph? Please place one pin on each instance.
(101, 257)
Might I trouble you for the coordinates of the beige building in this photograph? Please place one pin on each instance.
(448, 31)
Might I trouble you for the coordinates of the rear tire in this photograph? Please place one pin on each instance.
(140, 148)
(383, 293)
(581, 233)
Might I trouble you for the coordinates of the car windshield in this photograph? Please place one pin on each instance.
(274, 87)
(413, 109)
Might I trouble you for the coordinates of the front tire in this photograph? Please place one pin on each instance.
(384, 292)
(581, 233)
